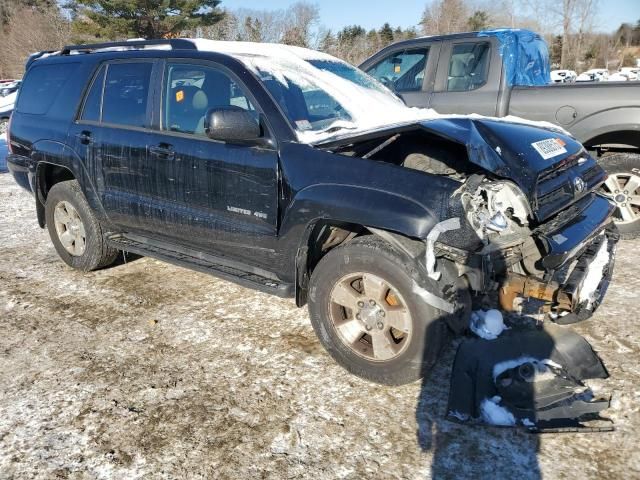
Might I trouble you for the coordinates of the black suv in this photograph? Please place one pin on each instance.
(289, 171)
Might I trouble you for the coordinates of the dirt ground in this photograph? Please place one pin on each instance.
(149, 370)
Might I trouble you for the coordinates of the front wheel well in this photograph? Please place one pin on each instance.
(325, 235)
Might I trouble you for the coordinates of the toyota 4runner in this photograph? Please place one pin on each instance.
(289, 171)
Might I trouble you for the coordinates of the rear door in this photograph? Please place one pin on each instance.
(215, 196)
(112, 134)
(409, 72)
(468, 78)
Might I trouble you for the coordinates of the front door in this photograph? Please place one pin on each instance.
(220, 197)
(407, 73)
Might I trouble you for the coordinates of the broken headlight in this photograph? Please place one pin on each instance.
(496, 207)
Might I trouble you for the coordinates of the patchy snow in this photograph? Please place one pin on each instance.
(493, 413)
(487, 324)
(595, 271)
(105, 375)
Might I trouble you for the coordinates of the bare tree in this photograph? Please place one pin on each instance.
(575, 18)
(31, 29)
(445, 16)
(302, 20)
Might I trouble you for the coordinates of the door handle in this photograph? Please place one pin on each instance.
(84, 137)
(163, 150)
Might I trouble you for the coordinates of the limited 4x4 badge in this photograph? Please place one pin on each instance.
(550, 147)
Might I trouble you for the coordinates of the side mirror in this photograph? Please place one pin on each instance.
(231, 124)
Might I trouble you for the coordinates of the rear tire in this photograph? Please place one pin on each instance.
(350, 287)
(74, 229)
(623, 188)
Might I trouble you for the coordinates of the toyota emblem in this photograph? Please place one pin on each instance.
(579, 185)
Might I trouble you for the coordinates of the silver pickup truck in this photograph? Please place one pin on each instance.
(506, 72)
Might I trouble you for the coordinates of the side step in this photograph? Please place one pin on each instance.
(194, 260)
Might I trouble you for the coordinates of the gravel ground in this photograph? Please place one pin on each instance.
(149, 370)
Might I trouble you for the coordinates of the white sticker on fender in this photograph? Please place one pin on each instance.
(549, 148)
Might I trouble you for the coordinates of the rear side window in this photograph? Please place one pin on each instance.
(93, 102)
(402, 71)
(42, 85)
(468, 66)
(125, 94)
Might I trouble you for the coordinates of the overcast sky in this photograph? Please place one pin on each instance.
(336, 14)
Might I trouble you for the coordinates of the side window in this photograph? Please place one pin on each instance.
(93, 100)
(191, 90)
(402, 71)
(468, 66)
(42, 85)
(125, 94)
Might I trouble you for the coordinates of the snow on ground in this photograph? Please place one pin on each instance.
(149, 370)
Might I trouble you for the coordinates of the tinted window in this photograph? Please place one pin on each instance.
(468, 67)
(191, 90)
(42, 85)
(92, 104)
(402, 71)
(125, 94)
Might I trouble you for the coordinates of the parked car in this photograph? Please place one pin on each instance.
(618, 77)
(631, 72)
(292, 172)
(563, 76)
(587, 77)
(506, 72)
(6, 107)
(9, 88)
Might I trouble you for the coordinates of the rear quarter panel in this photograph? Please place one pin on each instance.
(586, 110)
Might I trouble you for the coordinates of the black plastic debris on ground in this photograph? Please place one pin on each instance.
(530, 378)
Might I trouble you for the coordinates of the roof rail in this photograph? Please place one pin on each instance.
(34, 56)
(175, 43)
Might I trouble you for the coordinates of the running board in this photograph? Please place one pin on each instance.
(194, 260)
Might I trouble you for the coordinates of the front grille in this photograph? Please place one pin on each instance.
(557, 188)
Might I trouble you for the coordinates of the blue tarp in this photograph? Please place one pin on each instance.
(525, 56)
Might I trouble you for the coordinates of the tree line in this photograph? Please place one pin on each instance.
(569, 26)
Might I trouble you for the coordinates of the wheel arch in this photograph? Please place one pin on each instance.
(610, 128)
(323, 235)
(347, 211)
(55, 162)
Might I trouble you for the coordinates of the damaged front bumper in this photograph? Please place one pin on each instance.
(575, 288)
(531, 378)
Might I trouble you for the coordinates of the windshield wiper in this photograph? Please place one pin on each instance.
(337, 126)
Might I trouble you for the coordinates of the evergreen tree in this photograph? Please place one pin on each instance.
(478, 21)
(386, 34)
(555, 51)
(112, 19)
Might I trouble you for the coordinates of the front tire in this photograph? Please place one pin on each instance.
(74, 229)
(623, 188)
(365, 311)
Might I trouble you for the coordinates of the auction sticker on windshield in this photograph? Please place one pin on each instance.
(549, 148)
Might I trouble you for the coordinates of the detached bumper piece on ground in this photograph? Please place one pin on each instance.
(528, 378)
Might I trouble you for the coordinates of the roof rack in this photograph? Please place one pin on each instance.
(175, 43)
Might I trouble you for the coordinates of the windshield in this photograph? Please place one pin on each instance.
(324, 96)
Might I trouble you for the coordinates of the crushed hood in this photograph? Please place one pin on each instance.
(543, 162)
